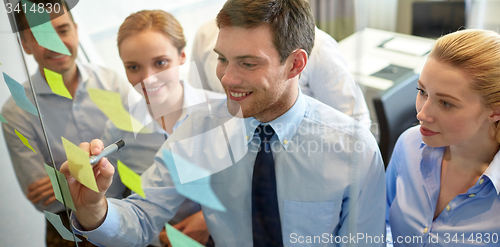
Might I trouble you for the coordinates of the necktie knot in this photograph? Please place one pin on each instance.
(265, 132)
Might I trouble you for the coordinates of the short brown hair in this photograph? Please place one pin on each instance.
(477, 54)
(291, 21)
(22, 22)
(157, 20)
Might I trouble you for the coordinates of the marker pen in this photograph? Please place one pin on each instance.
(107, 151)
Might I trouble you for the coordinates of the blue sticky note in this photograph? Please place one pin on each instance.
(199, 190)
(19, 95)
(43, 31)
(55, 220)
(2, 119)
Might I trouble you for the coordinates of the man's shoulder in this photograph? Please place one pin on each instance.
(321, 116)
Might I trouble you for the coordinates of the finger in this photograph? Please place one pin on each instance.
(43, 195)
(37, 183)
(96, 146)
(50, 200)
(104, 177)
(32, 194)
(65, 169)
(85, 146)
(181, 225)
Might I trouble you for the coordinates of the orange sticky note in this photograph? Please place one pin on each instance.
(79, 165)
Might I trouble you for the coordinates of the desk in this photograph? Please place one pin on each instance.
(366, 54)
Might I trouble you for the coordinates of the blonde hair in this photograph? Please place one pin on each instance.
(157, 20)
(477, 54)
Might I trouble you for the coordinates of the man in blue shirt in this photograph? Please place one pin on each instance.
(328, 179)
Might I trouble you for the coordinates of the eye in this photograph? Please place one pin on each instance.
(421, 92)
(161, 62)
(133, 68)
(249, 65)
(446, 104)
(222, 59)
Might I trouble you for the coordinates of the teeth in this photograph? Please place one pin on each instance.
(152, 89)
(238, 95)
(57, 57)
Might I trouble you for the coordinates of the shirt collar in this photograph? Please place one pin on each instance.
(284, 126)
(42, 87)
(493, 172)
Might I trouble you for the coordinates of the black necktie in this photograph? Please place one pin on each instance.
(266, 223)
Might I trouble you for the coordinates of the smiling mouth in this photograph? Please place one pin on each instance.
(239, 95)
(154, 89)
(57, 56)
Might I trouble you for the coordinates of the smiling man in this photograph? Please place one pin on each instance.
(309, 175)
(77, 120)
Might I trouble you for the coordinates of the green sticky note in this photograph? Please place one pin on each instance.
(43, 31)
(56, 83)
(56, 221)
(24, 140)
(179, 239)
(130, 179)
(111, 105)
(60, 180)
(79, 165)
(2, 119)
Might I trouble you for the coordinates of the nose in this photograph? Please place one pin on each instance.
(228, 75)
(150, 76)
(425, 114)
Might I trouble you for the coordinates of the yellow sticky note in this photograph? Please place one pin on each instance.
(130, 179)
(111, 105)
(56, 83)
(79, 165)
(24, 140)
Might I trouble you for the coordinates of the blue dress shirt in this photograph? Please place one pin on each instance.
(329, 173)
(413, 181)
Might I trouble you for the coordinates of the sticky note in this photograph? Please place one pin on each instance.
(2, 119)
(56, 83)
(43, 31)
(24, 140)
(79, 165)
(19, 95)
(56, 221)
(111, 105)
(179, 239)
(58, 179)
(199, 190)
(130, 179)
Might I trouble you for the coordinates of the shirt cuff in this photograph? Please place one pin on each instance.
(108, 229)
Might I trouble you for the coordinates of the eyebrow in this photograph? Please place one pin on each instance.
(240, 57)
(63, 26)
(439, 94)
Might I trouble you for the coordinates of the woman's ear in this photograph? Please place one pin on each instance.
(495, 116)
(182, 56)
(298, 61)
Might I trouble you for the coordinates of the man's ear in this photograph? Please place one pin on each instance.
(298, 61)
(495, 116)
(24, 43)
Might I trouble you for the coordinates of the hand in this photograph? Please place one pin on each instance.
(91, 207)
(40, 190)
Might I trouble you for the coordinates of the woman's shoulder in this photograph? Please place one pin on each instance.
(409, 140)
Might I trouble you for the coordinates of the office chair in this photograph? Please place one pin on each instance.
(395, 109)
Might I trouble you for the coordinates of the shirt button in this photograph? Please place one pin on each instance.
(285, 142)
(247, 137)
(472, 195)
(448, 207)
(426, 230)
(481, 181)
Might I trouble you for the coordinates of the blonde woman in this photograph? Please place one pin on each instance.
(151, 45)
(443, 180)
